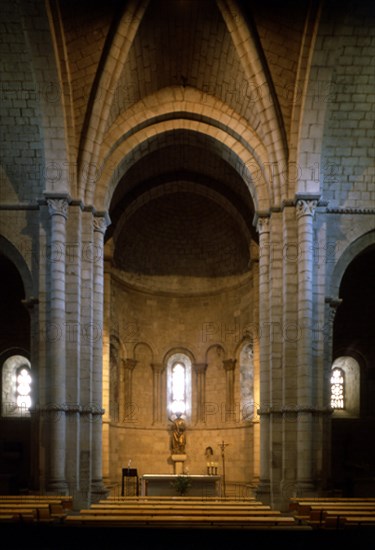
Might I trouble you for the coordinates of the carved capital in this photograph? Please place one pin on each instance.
(200, 368)
(263, 225)
(333, 304)
(306, 207)
(58, 207)
(100, 224)
(229, 364)
(157, 368)
(129, 364)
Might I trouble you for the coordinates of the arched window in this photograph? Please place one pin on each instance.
(178, 403)
(16, 387)
(337, 389)
(247, 382)
(345, 387)
(179, 384)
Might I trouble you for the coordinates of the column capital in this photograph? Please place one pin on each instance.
(157, 367)
(101, 222)
(229, 364)
(333, 304)
(58, 207)
(200, 368)
(306, 207)
(263, 225)
(57, 204)
(129, 363)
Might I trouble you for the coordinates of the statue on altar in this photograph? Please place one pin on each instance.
(178, 434)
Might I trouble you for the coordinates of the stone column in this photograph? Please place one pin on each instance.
(58, 210)
(200, 373)
(305, 210)
(263, 227)
(157, 386)
(332, 305)
(290, 343)
(229, 366)
(88, 334)
(129, 365)
(100, 226)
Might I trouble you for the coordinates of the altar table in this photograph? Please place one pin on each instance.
(161, 485)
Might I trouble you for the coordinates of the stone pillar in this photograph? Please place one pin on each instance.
(97, 486)
(128, 365)
(200, 373)
(229, 366)
(305, 210)
(290, 346)
(58, 210)
(73, 275)
(263, 489)
(88, 334)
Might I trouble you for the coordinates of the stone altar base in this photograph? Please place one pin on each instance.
(178, 463)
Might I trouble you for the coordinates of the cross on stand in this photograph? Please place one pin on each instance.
(222, 446)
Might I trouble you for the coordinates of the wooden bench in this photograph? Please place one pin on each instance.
(294, 502)
(184, 506)
(314, 513)
(65, 501)
(304, 509)
(359, 521)
(178, 511)
(184, 520)
(37, 511)
(338, 518)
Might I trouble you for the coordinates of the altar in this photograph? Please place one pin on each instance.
(162, 485)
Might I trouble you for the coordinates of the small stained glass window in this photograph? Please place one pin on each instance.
(179, 384)
(23, 388)
(16, 395)
(337, 389)
(178, 388)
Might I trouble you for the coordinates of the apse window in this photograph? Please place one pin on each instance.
(337, 389)
(16, 387)
(178, 388)
(345, 379)
(179, 384)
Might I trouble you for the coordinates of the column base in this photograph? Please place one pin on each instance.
(263, 491)
(305, 488)
(98, 490)
(58, 487)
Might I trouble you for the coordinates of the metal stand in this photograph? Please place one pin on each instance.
(222, 447)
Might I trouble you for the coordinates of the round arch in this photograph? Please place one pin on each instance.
(353, 249)
(14, 255)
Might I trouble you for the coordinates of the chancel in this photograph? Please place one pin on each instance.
(187, 249)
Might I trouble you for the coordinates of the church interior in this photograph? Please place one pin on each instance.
(187, 242)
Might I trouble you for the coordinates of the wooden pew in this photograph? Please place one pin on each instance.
(180, 506)
(178, 511)
(359, 521)
(313, 512)
(65, 501)
(294, 502)
(40, 510)
(338, 518)
(183, 520)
